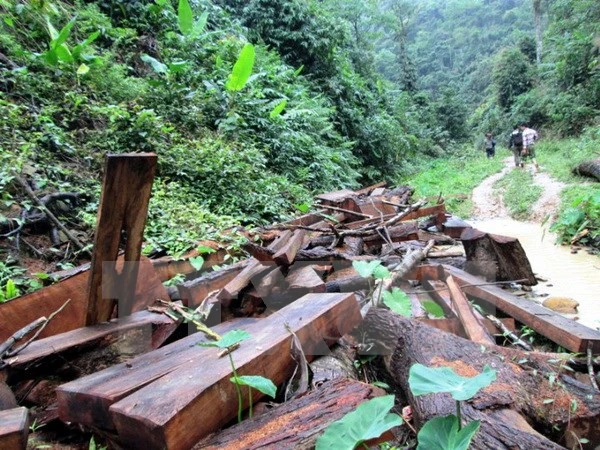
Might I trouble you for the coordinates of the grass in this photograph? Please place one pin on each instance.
(519, 193)
(455, 178)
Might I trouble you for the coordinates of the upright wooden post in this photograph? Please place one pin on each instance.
(122, 213)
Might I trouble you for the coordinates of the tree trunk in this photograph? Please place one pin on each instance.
(589, 169)
(529, 389)
(537, 15)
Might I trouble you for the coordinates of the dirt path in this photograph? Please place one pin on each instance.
(489, 204)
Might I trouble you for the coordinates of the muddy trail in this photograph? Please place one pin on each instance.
(569, 272)
(489, 204)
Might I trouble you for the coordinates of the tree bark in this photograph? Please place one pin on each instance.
(529, 389)
(589, 169)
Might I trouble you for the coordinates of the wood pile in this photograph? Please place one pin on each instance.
(140, 380)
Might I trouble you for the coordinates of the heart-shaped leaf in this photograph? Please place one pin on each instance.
(369, 421)
(433, 308)
(398, 302)
(197, 262)
(365, 268)
(432, 380)
(229, 339)
(257, 382)
(442, 433)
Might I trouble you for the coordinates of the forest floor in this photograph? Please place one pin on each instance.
(488, 200)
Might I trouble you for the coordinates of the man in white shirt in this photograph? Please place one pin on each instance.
(529, 138)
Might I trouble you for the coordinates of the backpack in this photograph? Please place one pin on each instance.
(517, 139)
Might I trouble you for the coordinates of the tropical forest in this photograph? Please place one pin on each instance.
(408, 187)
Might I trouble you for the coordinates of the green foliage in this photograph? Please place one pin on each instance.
(398, 302)
(372, 269)
(445, 433)
(369, 421)
(455, 178)
(228, 340)
(582, 214)
(259, 383)
(432, 380)
(242, 69)
(186, 17)
(512, 76)
(433, 309)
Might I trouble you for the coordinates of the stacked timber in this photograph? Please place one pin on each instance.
(138, 374)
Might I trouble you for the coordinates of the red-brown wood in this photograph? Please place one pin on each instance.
(123, 207)
(14, 429)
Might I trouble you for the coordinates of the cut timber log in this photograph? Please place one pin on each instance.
(138, 333)
(305, 279)
(519, 395)
(180, 408)
(399, 233)
(123, 207)
(87, 400)
(286, 254)
(19, 312)
(589, 169)
(254, 270)
(14, 428)
(474, 328)
(567, 333)
(297, 423)
(497, 258)
(194, 292)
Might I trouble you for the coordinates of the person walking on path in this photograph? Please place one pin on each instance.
(516, 144)
(490, 145)
(529, 138)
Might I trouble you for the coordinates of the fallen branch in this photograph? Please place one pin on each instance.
(512, 336)
(39, 325)
(48, 213)
(591, 367)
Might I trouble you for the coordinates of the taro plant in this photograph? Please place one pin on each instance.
(59, 51)
(372, 270)
(369, 421)
(447, 433)
(229, 342)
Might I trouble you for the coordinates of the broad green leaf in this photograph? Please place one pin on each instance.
(177, 66)
(303, 207)
(8, 21)
(200, 25)
(398, 302)
(186, 17)
(64, 34)
(157, 66)
(63, 53)
(197, 262)
(259, 383)
(11, 290)
(298, 70)
(278, 109)
(51, 30)
(83, 69)
(51, 57)
(365, 268)
(431, 380)
(369, 421)
(242, 69)
(442, 433)
(203, 249)
(229, 339)
(381, 273)
(78, 49)
(433, 308)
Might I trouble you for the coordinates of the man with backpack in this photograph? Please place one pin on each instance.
(529, 138)
(516, 144)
